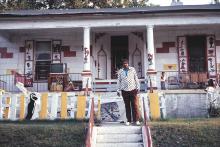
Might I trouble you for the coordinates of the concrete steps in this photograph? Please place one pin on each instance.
(119, 129)
(119, 145)
(119, 136)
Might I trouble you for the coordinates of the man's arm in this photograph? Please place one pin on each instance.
(136, 80)
(119, 83)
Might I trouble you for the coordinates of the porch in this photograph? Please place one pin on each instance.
(48, 47)
(59, 82)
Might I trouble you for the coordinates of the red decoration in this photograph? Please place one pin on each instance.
(4, 53)
(165, 47)
(67, 52)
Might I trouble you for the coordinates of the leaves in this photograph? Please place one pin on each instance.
(69, 4)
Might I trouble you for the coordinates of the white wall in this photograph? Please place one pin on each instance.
(16, 40)
(74, 39)
(165, 58)
(170, 35)
(12, 47)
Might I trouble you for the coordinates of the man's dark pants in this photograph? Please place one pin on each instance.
(131, 104)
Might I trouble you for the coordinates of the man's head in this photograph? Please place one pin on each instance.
(125, 63)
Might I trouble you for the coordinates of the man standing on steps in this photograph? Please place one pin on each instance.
(129, 86)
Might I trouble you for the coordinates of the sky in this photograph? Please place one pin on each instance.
(185, 2)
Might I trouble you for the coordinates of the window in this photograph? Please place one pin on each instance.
(42, 60)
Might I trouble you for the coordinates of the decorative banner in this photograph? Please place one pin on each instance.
(182, 54)
(56, 58)
(211, 55)
(183, 64)
(28, 67)
(169, 66)
(210, 46)
(211, 66)
(182, 46)
(56, 51)
(29, 49)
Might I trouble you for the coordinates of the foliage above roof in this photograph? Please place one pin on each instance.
(69, 4)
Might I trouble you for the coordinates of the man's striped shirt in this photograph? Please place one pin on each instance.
(128, 80)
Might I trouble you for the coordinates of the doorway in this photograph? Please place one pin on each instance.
(119, 51)
(197, 53)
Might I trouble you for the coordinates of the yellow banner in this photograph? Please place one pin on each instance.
(169, 66)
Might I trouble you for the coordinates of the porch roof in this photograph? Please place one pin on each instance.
(113, 11)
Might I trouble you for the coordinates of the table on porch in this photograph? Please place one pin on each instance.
(57, 81)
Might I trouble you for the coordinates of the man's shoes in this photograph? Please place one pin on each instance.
(127, 123)
(137, 123)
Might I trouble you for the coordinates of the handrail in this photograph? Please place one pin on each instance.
(147, 128)
(91, 124)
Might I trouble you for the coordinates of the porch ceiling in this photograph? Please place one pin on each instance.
(36, 32)
(186, 27)
(68, 31)
(119, 29)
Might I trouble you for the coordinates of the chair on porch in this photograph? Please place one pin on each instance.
(184, 79)
(173, 82)
(193, 80)
(202, 80)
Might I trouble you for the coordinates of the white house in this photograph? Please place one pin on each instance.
(90, 44)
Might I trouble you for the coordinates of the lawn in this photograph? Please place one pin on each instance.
(43, 133)
(186, 133)
(168, 133)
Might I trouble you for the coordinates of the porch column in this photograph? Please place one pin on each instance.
(151, 72)
(86, 74)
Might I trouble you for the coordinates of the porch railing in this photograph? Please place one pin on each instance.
(189, 80)
(146, 128)
(90, 126)
(7, 82)
(111, 85)
(174, 80)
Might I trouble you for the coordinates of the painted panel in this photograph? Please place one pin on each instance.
(56, 51)
(182, 46)
(28, 69)
(211, 55)
(182, 54)
(170, 66)
(211, 66)
(183, 66)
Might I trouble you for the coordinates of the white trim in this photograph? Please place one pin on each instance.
(113, 22)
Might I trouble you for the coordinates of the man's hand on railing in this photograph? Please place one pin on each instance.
(118, 93)
(138, 91)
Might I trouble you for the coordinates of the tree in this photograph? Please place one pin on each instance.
(69, 4)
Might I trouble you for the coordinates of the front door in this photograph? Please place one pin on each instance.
(197, 53)
(119, 51)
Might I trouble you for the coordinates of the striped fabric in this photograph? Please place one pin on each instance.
(128, 80)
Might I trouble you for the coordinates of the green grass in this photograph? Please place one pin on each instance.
(43, 133)
(186, 133)
(167, 133)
